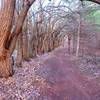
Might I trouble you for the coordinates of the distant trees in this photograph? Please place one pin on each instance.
(40, 33)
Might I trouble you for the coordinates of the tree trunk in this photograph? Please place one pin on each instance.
(19, 51)
(25, 46)
(6, 18)
(78, 35)
(6, 38)
(69, 42)
(5, 64)
(18, 25)
(74, 43)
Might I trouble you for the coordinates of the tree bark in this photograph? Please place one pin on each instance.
(78, 35)
(19, 52)
(18, 26)
(69, 43)
(6, 18)
(6, 69)
(6, 37)
(25, 46)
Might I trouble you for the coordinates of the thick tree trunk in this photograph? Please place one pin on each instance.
(5, 64)
(6, 38)
(6, 16)
(18, 25)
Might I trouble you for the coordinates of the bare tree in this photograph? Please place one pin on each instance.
(6, 36)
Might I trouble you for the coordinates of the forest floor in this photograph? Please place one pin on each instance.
(54, 76)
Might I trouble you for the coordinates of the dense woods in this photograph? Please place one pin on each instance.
(49, 49)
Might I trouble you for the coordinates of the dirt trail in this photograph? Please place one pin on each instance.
(64, 81)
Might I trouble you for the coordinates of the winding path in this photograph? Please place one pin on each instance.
(64, 81)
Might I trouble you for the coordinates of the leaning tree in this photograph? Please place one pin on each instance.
(9, 32)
